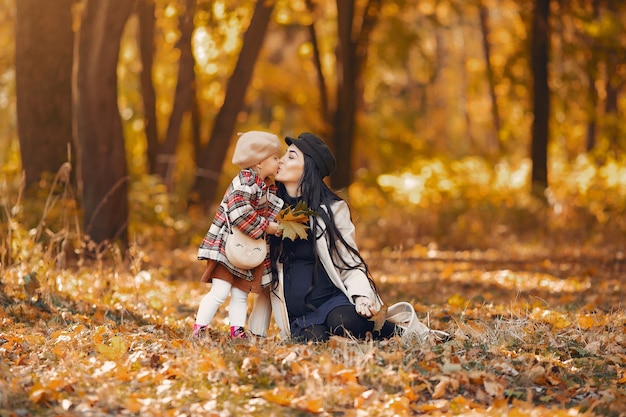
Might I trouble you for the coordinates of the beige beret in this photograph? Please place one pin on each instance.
(253, 147)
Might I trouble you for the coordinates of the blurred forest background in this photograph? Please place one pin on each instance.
(457, 124)
(480, 144)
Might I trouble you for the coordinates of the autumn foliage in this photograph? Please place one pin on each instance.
(440, 114)
(538, 326)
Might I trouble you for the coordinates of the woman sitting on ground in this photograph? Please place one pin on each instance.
(321, 285)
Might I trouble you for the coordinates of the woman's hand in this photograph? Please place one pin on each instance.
(364, 306)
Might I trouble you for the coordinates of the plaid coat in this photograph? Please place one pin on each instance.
(251, 204)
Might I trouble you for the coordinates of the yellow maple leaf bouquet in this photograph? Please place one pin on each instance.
(293, 221)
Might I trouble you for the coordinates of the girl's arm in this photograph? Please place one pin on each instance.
(242, 202)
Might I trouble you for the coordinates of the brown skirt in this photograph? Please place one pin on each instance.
(217, 270)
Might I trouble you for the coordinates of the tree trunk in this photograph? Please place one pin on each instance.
(541, 98)
(495, 112)
(351, 57)
(211, 157)
(317, 62)
(615, 59)
(611, 115)
(103, 170)
(183, 97)
(345, 110)
(590, 142)
(43, 62)
(470, 143)
(592, 74)
(145, 13)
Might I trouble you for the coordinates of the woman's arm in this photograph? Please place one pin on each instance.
(351, 269)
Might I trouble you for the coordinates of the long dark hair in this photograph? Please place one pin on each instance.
(319, 198)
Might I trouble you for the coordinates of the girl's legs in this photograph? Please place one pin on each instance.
(211, 301)
(345, 319)
(238, 307)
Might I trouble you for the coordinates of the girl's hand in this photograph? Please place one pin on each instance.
(273, 229)
(364, 306)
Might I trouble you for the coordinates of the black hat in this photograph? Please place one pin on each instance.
(314, 147)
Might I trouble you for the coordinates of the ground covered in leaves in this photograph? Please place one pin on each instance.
(533, 335)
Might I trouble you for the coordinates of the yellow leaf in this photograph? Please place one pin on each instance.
(37, 393)
(399, 405)
(556, 319)
(328, 366)
(293, 221)
(115, 351)
(289, 216)
(279, 395)
(122, 374)
(457, 300)
(60, 350)
(55, 384)
(298, 369)
(300, 213)
(365, 398)
(212, 360)
(156, 302)
(586, 322)
(410, 394)
(293, 230)
(437, 405)
(312, 405)
(379, 318)
(354, 390)
(133, 404)
(348, 376)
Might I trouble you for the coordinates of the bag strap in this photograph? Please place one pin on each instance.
(227, 214)
(230, 228)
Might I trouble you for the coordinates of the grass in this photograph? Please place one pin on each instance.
(538, 329)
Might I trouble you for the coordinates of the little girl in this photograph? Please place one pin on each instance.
(251, 204)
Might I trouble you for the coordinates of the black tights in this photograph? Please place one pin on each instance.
(344, 321)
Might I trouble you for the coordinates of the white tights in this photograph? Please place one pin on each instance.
(237, 309)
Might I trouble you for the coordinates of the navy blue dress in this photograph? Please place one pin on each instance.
(309, 293)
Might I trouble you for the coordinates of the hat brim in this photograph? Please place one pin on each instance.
(312, 149)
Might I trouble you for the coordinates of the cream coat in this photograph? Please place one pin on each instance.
(352, 282)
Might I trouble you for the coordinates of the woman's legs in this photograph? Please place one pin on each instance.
(345, 319)
(342, 321)
(314, 333)
(212, 300)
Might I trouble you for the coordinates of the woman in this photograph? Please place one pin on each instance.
(321, 286)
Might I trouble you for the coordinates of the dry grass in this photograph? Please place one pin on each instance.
(535, 333)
